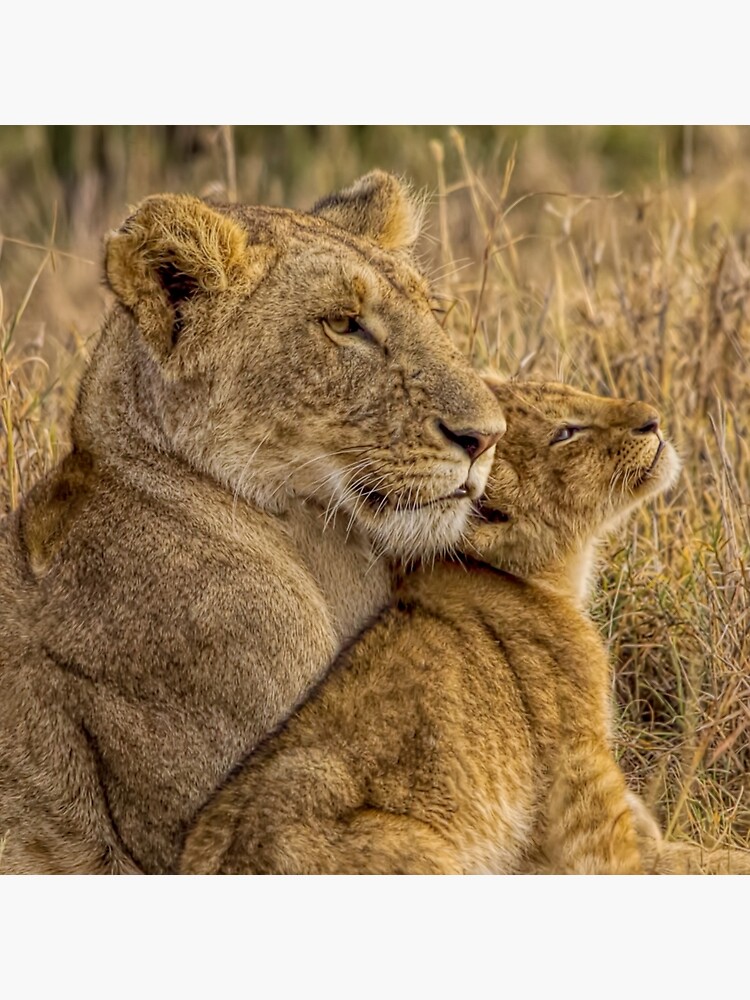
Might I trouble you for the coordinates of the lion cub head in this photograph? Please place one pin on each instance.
(293, 354)
(569, 468)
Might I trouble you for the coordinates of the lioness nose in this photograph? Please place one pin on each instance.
(474, 443)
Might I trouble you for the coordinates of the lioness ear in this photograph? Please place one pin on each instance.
(171, 248)
(377, 206)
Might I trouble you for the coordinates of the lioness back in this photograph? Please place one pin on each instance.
(271, 413)
(468, 729)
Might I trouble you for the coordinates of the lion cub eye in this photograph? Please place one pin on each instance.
(565, 434)
(346, 326)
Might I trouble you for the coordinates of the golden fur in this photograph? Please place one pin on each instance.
(271, 409)
(468, 730)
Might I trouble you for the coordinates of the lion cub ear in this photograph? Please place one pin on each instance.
(172, 248)
(378, 207)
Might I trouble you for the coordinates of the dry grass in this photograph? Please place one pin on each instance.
(645, 293)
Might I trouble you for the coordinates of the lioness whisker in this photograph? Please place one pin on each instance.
(239, 486)
(318, 458)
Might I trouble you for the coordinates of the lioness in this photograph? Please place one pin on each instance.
(468, 730)
(272, 407)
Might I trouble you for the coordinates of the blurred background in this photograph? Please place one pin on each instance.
(613, 257)
(65, 186)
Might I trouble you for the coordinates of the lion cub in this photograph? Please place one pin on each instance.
(468, 730)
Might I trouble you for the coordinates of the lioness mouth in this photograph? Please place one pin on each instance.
(381, 500)
(458, 494)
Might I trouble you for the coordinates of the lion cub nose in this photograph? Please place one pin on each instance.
(474, 443)
(640, 418)
(650, 427)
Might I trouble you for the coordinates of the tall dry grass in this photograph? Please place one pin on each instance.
(642, 293)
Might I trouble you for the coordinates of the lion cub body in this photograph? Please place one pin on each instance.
(432, 746)
(271, 412)
(468, 730)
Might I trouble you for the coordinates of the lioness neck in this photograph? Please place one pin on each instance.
(123, 418)
(354, 581)
(121, 404)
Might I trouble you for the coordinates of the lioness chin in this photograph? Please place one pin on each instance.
(271, 413)
(468, 730)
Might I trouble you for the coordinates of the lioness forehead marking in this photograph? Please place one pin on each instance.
(310, 228)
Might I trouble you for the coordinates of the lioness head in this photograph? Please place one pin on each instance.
(569, 467)
(296, 354)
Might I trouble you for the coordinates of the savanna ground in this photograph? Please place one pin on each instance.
(613, 258)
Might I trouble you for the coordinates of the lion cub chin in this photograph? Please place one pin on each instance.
(468, 730)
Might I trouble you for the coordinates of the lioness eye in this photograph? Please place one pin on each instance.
(347, 326)
(564, 434)
(343, 325)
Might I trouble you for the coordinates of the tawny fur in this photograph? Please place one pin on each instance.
(240, 474)
(468, 730)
